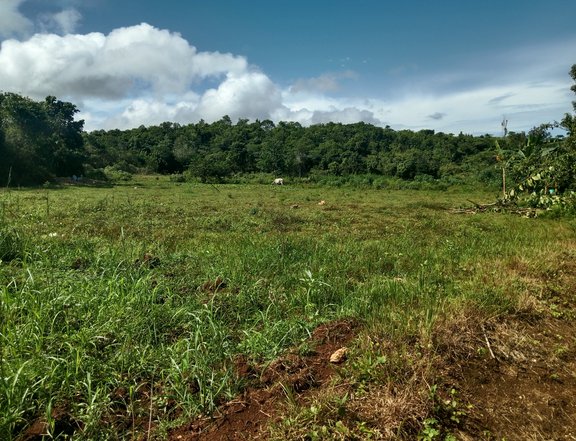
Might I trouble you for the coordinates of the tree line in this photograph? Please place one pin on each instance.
(42, 140)
(217, 151)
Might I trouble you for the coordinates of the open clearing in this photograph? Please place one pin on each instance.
(158, 310)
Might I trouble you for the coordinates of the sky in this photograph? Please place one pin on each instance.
(452, 66)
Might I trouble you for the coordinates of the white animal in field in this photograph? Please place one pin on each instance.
(278, 181)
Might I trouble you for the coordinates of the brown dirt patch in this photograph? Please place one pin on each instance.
(247, 416)
(510, 377)
(526, 388)
(528, 391)
(63, 426)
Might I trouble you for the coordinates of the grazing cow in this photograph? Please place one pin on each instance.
(278, 181)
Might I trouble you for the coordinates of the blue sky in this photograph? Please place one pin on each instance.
(453, 66)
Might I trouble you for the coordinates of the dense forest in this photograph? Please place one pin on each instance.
(40, 141)
(222, 149)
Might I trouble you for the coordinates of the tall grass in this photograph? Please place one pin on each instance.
(125, 308)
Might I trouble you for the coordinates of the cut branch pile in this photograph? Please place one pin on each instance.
(500, 206)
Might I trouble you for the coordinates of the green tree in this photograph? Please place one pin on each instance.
(65, 139)
(40, 140)
(547, 171)
(210, 167)
(569, 121)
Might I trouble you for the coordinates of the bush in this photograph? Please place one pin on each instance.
(177, 178)
(96, 174)
(115, 174)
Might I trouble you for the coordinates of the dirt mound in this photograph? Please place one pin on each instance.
(63, 425)
(509, 377)
(246, 417)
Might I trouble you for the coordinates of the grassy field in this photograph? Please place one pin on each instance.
(124, 310)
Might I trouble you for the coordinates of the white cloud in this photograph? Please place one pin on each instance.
(313, 107)
(528, 85)
(127, 62)
(151, 112)
(144, 75)
(247, 95)
(477, 110)
(348, 115)
(11, 20)
(526, 101)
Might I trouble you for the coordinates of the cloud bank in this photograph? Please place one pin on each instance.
(127, 62)
(144, 75)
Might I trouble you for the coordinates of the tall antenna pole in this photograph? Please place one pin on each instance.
(504, 125)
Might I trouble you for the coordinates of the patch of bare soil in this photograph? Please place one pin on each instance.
(515, 380)
(506, 378)
(528, 390)
(247, 417)
(524, 386)
(63, 426)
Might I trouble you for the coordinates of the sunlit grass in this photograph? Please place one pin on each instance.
(127, 306)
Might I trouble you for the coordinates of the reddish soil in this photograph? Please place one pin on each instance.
(64, 426)
(514, 377)
(520, 375)
(528, 391)
(246, 417)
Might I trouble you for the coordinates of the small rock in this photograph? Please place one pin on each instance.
(339, 356)
(322, 203)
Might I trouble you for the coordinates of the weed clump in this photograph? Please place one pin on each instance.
(11, 244)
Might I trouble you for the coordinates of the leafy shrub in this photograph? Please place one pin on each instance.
(113, 173)
(97, 174)
(177, 178)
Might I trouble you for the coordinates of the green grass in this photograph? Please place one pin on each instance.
(126, 307)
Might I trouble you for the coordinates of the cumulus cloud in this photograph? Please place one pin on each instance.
(345, 115)
(241, 95)
(145, 111)
(310, 106)
(144, 75)
(124, 63)
(249, 95)
(11, 20)
(150, 75)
